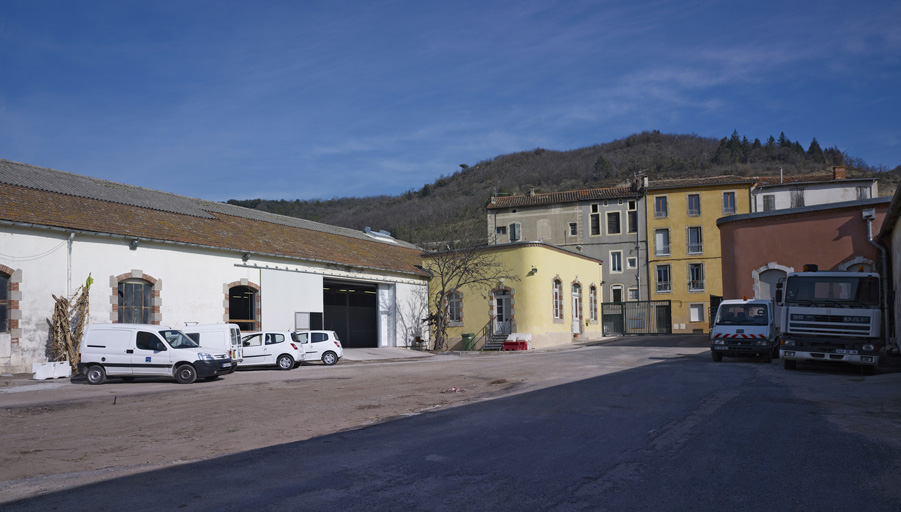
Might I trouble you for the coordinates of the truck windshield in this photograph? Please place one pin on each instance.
(176, 339)
(833, 291)
(742, 314)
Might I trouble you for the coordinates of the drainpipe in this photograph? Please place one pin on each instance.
(869, 215)
(69, 266)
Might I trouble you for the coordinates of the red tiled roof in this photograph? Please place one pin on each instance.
(570, 196)
(218, 230)
(700, 182)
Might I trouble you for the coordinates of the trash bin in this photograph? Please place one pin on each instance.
(468, 339)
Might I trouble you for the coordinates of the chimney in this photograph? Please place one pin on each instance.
(838, 172)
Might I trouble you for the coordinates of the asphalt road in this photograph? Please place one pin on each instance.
(680, 433)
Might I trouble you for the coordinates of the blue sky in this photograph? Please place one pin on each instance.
(309, 99)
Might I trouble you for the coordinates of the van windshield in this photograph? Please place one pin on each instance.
(176, 339)
(742, 314)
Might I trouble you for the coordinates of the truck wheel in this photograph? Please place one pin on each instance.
(96, 374)
(185, 374)
(329, 358)
(716, 356)
(790, 364)
(285, 362)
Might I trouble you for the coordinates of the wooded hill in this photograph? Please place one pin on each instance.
(462, 195)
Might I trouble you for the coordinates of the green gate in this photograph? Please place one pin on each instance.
(639, 317)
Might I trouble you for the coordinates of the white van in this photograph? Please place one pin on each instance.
(225, 337)
(141, 350)
(744, 328)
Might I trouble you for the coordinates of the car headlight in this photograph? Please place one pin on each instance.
(203, 356)
(761, 342)
(719, 341)
(789, 343)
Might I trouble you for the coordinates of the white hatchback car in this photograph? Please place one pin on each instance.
(271, 348)
(323, 345)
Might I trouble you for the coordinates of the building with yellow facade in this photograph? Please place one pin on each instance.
(554, 299)
(684, 259)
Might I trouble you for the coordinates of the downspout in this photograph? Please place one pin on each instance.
(69, 266)
(870, 215)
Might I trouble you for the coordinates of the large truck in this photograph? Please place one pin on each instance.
(830, 316)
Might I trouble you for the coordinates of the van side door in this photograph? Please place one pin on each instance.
(151, 355)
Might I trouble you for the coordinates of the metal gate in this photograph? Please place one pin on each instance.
(640, 317)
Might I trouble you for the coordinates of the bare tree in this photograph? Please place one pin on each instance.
(459, 259)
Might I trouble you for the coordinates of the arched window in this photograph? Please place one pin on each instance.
(4, 302)
(135, 302)
(593, 299)
(558, 300)
(242, 308)
(455, 307)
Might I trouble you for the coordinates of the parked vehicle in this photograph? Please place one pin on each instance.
(831, 316)
(225, 337)
(271, 349)
(744, 328)
(140, 350)
(322, 345)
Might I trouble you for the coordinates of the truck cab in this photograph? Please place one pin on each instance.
(744, 328)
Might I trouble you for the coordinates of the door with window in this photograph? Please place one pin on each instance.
(577, 309)
(502, 306)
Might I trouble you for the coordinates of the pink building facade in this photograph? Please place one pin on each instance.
(760, 248)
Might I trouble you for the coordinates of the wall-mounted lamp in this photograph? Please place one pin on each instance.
(133, 245)
(245, 257)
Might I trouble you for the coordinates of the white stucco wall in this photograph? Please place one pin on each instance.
(192, 284)
(814, 193)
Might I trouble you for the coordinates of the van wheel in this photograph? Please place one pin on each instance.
(185, 374)
(716, 356)
(285, 362)
(329, 358)
(96, 374)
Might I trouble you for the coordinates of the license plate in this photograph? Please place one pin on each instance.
(226, 365)
(846, 352)
(720, 348)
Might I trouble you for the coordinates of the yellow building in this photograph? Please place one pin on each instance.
(684, 256)
(555, 299)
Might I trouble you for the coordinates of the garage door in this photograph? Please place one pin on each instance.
(351, 311)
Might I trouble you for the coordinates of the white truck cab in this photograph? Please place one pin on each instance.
(744, 328)
(142, 350)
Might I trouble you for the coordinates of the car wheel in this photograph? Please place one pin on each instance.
(716, 356)
(96, 374)
(790, 364)
(329, 358)
(185, 374)
(285, 362)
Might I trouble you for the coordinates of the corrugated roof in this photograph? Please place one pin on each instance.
(570, 196)
(769, 181)
(45, 197)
